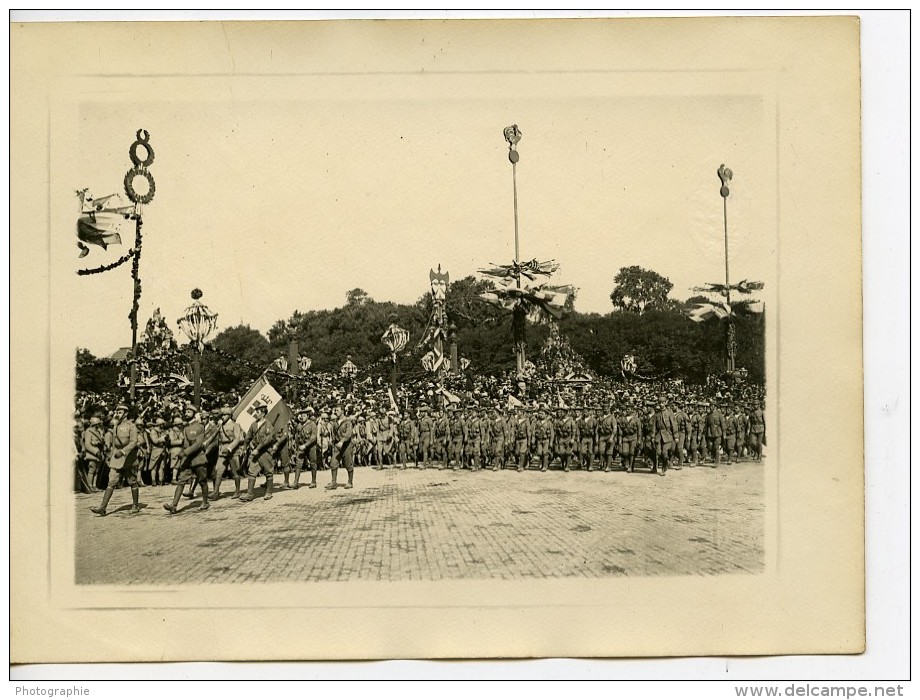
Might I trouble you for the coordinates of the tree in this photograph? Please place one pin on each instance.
(638, 290)
(243, 342)
(97, 378)
(357, 297)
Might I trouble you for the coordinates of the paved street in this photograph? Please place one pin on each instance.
(429, 524)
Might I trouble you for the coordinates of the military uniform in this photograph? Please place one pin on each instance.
(566, 435)
(405, 431)
(123, 460)
(543, 435)
(474, 431)
(308, 449)
(497, 429)
(587, 436)
(442, 439)
(425, 438)
(457, 439)
(230, 437)
(156, 435)
(758, 431)
(522, 439)
(94, 454)
(730, 435)
(630, 438)
(343, 450)
(715, 429)
(606, 438)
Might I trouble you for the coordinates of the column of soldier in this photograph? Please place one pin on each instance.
(204, 449)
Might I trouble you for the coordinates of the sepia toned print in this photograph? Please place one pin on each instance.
(511, 331)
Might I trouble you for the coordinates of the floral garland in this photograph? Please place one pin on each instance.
(105, 268)
(134, 272)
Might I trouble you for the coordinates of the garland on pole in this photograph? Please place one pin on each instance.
(139, 244)
(105, 268)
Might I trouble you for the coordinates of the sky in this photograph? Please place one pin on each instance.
(276, 195)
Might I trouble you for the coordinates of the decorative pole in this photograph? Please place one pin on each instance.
(439, 284)
(513, 136)
(725, 175)
(452, 337)
(141, 198)
(197, 323)
(395, 338)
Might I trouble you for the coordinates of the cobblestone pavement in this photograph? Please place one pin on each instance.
(430, 524)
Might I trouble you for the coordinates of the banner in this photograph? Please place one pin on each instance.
(262, 394)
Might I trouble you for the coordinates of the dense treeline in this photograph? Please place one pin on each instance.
(661, 337)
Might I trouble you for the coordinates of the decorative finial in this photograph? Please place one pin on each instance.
(725, 175)
(512, 136)
(197, 294)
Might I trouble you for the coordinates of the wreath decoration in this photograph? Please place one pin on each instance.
(129, 185)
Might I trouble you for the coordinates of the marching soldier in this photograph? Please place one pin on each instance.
(587, 438)
(758, 431)
(307, 434)
(715, 429)
(158, 453)
(730, 433)
(405, 431)
(343, 450)
(474, 434)
(386, 426)
(496, 431)
(94, 452)
(665, 430)
(630, 437)
(123, 460)
(192, 458)
(425, 437)
(174, 445)
(565, 432)
(696, 428)
(522, 438)
(648, 433)
(442, 439)
(260, 438)
(544, 438)
(606, 437)
(457, 437)
(683, 428)
(230, 437)
(281, 451)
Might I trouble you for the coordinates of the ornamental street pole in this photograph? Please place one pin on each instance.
(725, 175)
(138, 169)
(513, 136)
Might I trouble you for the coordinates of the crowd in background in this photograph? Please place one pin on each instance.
(462, 421)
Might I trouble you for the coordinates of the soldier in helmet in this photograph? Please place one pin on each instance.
(758, 431)
(587, 438)
(230, 437)
(123, 462)
(94, 451)
(343, 450)
(630, 436)
(715, 429)
(544, 438)
(523, 437)
(260, 439)
(425, 437)
(565, 431)
(606, 437)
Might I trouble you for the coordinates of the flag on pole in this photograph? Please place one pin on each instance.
(261, 393)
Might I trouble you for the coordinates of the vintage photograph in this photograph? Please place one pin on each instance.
(427, 324)
(524, 341)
